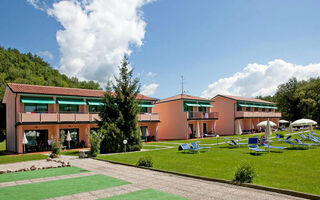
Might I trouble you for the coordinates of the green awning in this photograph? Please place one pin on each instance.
(72, 101)
(257, 106)
(193, 104)
(146, 105)
(206, 105)
(95, 103)
(37, 100)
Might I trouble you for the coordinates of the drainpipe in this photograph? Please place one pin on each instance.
(15, 121)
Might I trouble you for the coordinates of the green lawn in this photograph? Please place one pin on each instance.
(152, 147)
(149, 194)
(18, 176)
(3, 145)
(51, 189)
(70, 153)
(4, 159)
(294, 169)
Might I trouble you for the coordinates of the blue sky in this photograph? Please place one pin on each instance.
(208, 42)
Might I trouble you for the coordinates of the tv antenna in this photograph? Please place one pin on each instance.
(182, 85)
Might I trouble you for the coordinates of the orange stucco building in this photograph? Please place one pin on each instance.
(248, 111)
(181, 114)
(44, 113)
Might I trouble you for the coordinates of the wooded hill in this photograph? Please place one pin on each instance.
(16, 67)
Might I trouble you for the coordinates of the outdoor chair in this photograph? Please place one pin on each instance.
(302, 143)
(238, 143)
(196, 146)
(295, 144)
(313, 133)
(185, 147)
(289, 138)
(303, 137)
(278, 138)
(273, 147)
(256, 149)
(253, 140)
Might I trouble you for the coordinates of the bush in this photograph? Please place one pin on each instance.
(56, 147)
(95, 141)
(244, 174)
(145, 162)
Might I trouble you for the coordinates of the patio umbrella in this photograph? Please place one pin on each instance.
(198, 130)
(68, 139)
(264, 123)
(147, 134)
(268, 132)
(282, 121)
(239, 131)
(304, 122)
(24, 142)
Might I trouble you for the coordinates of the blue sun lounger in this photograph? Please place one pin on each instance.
(256, 149)
(307, 144)
(273, 147)
(296, 144)
(313, 139)
(278, 138)
(196, 146)
(185, 147)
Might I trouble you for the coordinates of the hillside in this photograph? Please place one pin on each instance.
(16, 67)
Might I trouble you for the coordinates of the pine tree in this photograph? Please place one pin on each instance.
(119, 115)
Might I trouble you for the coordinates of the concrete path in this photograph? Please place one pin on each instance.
(186, 187)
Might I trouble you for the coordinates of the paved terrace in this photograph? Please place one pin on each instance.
(142, 178)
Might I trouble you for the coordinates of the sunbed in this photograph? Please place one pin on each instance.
(295, 144)
(313, 133)
(273, 147)
(278, 138)
(302, 143)
(185, 147)
(196, 146)
(256, 149)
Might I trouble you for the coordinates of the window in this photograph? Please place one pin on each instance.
(94, 108)
(248, 109)
(263, 110)
(68, 108)
(256, 109)
(143, 110)
(202, 109)
(270, 110)
(30, 107)
(239, 108)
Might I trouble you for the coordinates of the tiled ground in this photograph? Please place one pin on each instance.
(142, 179)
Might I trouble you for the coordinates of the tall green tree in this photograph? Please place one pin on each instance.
(119, 115)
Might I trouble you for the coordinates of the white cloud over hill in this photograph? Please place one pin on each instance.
(96, 34)
(257, 79)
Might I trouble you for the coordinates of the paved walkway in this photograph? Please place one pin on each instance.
(178, 185)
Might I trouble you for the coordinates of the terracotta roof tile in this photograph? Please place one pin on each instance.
(244, 99)
(183, 97)
(37, 89)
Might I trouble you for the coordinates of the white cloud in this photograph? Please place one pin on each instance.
(96, 34)
(256, 79)
(46, 54)
(149, 89)
(151, 75)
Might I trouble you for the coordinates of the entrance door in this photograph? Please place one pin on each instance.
(143, 130)
(190, 128)
(37, 140)
(204, 128)
(74, 134)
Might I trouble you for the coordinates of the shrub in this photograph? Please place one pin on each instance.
(145, 162)
(95, 141)
(244, 174)
(56, 147)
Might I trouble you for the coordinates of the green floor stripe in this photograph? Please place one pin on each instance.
(18, 176)
(149, 194)
(50, 189)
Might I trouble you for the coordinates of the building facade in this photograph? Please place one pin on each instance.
(182, 114)
(44, 113)
(246, 110)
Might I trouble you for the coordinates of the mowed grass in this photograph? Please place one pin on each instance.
(18, 176)
(150, 194)
(3, 145)
(294, 169)
(4, 159)
(50, 189)
(70, 153)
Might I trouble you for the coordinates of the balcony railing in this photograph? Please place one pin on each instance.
(202, 115)
(148, 117)
(57, 117)
(246, 114)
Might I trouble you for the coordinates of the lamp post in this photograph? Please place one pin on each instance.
(125, 144)
(217, 138)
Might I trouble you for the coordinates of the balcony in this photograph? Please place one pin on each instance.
(57, 117)
(245, 114)
(148, 117)
(202, 115)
